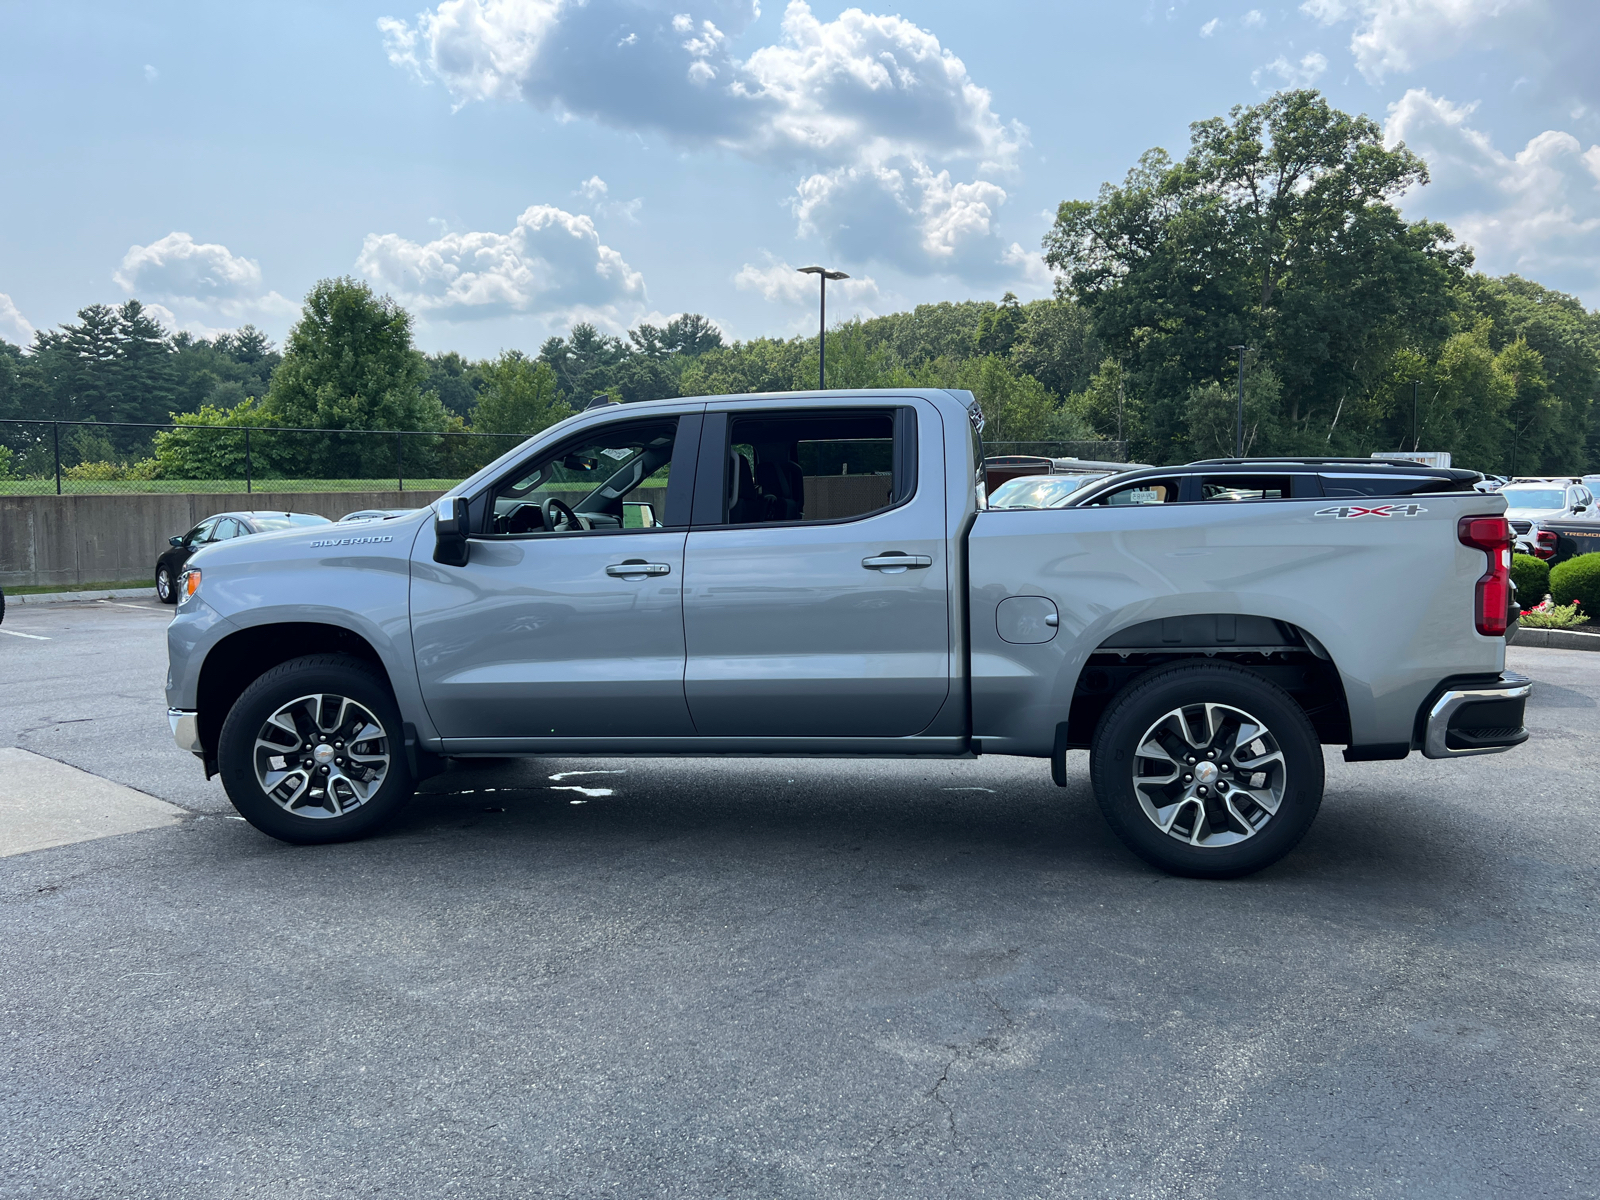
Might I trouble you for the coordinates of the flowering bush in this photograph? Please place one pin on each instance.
(1550, 615)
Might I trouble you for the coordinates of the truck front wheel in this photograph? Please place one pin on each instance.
(313, 752)
(1207, 770)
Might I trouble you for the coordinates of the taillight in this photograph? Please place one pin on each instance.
(1544, 544)
(1492, 535)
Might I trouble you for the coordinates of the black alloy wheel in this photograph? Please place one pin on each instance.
(1207, 770)
(313, 751)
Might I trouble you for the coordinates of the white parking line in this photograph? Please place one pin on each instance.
(36, 637)
(140, 607)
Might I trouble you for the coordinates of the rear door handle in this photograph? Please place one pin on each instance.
(895, 563)
(637, 568)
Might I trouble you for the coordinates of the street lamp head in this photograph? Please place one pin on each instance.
(835, 275)
(824, 272)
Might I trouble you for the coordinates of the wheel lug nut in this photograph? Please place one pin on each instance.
(1202, 789)
(1188, 778)
(1190, 758)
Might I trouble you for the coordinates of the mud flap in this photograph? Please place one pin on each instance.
(1058, 756)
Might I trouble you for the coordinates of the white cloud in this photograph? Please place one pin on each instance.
(1396, 35)
(1254, 18)
(551, 263)
(862, 103)
(1536, 212)
(1301, 74)
(151, 74)
(205, 275)
(14, 327)
(1210, 27)
(400, 44)
(177, 265)
(781, 283)
(595, 191)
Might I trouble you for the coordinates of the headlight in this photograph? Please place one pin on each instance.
(189, 584)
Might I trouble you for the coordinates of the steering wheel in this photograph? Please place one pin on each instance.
(552, 509)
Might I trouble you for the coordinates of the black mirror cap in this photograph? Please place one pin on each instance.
(175, 540)
(450, 531)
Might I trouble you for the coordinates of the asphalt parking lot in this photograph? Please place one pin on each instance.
(791, 979)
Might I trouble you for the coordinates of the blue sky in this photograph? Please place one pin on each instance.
(505, 167)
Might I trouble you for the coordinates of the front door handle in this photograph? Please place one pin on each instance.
(637, 568)
(895, 563)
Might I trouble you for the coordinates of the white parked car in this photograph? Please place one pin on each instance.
(1532, 503)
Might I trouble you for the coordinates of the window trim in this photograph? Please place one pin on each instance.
(680, 485)
(711, 485)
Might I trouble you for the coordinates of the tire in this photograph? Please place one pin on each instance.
(316, 704)
(166, 585)
(1153, 803)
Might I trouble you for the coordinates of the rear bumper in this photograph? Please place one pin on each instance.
(1483, 718)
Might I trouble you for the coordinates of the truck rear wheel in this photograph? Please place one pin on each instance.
(1207, 770)
(313, 751)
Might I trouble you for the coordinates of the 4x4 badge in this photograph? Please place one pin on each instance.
(1380, 510)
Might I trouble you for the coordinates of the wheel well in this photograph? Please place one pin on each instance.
(239, 659)
(1275, 650)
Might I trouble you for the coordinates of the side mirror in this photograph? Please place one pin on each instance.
(450, 533)
(1577, 508)
(175, 541)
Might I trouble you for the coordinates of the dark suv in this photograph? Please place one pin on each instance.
(1345, 482)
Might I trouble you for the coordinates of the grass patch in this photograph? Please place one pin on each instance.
(122, 487)
(47, 589)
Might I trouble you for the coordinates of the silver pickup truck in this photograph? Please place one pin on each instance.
(816, 574)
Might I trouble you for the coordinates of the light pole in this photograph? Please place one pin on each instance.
(1416, 437)
(1238, 428)
(823, 275)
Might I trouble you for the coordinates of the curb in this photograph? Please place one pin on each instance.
(76, 597)
(1555, 639)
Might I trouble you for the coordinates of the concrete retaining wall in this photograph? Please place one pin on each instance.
(53, 540)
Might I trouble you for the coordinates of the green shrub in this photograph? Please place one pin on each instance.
(6, 460)
(1578, 580)
(1532, 577)
(1556, 617)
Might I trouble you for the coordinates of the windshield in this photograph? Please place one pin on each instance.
(1518, 497)
(287, 521)
(1038, 491)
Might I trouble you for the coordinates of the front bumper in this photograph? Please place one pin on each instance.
(185, 729)
(1484, 718)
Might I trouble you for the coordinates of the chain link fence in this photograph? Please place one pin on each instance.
(99, 458)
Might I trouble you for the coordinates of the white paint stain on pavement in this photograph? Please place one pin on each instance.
(46, 803)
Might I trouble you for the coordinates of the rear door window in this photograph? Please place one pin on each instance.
(1146, 491)
(813, 466)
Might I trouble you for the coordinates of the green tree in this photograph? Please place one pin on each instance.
(1277, 231)
(348, 364)
(1056, 345)
(519, 396)
(455, 380)
(999, 328)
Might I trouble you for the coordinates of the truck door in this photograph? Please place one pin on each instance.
(816, 582)
(567, 620)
